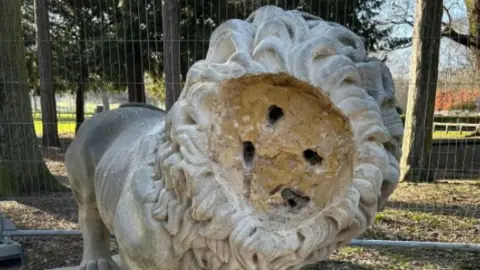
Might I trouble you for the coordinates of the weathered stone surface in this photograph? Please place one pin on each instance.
(282, 147)
(299, 140)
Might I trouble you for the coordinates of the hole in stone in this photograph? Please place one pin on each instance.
(292, 202)
(189, 120)
(274, 114)
(389, 147)
(248, 152)
(252, 232)
(312, 157)
(255, 258)
(399, 110)
(386, 185)
(175, 147)
(300, 237)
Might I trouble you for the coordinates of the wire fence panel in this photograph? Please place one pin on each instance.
(104, 53)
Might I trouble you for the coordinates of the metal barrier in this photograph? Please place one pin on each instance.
(9, 250)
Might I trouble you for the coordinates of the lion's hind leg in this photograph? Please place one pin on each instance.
(96, 236)
(96, 239)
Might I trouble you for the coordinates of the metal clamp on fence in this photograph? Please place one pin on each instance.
(11, 253)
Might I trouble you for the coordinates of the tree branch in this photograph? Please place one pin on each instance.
(395, 22)
(466, 40)
(447, 11)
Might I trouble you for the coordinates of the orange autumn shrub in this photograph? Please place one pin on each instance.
(463, 99)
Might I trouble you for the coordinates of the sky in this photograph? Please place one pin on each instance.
(452, 55)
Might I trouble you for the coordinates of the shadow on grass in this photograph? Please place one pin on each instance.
(336, 264)
(459, 210)
(420, 258)
(58, 206)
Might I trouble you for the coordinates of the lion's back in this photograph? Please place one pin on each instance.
(110, 133)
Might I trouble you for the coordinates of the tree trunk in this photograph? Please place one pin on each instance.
(82, 81)
(135, 80)
(475, 27)
(415, 162)
(105, 102)
(22, 169)
(184, 65)
(47, 94)
(35, 109)
(171, 55)
(80, 95)
(79, 106)
(84, 73)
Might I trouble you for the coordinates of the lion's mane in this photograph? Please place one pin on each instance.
(210, 231)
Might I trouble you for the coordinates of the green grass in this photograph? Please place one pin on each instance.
(62, 117)
(66, 121)
(64, 127)
(449, 135)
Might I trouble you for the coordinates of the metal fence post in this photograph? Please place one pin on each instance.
(1, 227)
(10, 251)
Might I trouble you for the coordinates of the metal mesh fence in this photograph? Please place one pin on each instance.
(104, 53)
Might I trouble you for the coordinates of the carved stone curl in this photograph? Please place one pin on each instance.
(282, 147)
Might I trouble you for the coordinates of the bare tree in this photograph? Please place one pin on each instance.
(47, 94)
(421, 94)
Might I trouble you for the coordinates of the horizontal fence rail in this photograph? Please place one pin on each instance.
(354, 242)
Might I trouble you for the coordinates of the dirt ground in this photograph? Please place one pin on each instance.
(445, 211)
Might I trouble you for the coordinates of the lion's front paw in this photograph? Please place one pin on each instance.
(99, 264)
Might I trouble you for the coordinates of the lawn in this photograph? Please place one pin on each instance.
(449, 135)
(445, 211)
(64, 127)
(66, 123)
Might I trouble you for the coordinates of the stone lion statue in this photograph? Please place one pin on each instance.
(283, 145)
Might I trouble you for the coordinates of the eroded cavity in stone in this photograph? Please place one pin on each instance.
(282, 140)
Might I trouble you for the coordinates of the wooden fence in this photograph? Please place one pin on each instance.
(456, 126)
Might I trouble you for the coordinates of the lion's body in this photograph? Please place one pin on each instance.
(103, 148)
(110, 151)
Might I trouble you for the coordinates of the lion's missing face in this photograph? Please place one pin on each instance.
(283, 143)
